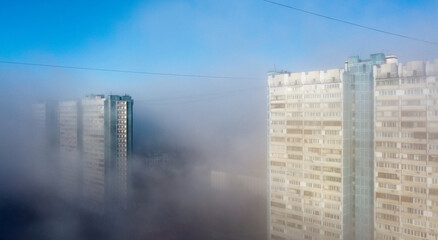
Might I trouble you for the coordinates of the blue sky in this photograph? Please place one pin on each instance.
(222, 37)
(227, 37)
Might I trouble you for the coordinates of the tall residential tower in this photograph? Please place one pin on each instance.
(70, 148)
(91, 139)
(310, 156)
(107, 147)
(406, 150)
(353, 153)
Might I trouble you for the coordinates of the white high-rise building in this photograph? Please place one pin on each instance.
(354, 158)
(406, 150)
(310, 156)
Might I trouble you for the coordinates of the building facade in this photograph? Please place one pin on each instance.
(406, 150)
(46, 130)
(90, 141)
(118, 146)
(107, 148)
(310, 161)
(93, 155)
(70, 149)
(377, 177)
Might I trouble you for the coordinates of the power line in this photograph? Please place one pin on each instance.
(160, 101)
(352, 23)
(123, 71)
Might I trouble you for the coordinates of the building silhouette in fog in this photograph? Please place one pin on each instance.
(46, 129)
(93, 149)
(107, 147)
(352, 151)
(70, 149)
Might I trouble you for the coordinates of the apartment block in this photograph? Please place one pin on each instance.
(46, 130)
(406, 150)
(107, 147)
(70, 146)
(373, 133)
(90, 143)
(310, 155)
(118, 146)
(93, 124)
